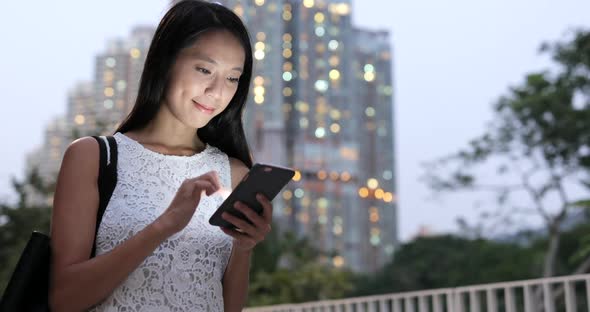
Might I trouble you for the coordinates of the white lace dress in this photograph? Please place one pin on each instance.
(184, 273)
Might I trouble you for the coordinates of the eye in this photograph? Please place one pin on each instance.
(233, 80)
(203, 70)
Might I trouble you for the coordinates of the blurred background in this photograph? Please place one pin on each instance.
(437, 144)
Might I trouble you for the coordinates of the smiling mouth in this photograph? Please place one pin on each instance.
(203, 108)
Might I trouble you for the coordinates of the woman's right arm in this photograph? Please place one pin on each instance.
(78, 282)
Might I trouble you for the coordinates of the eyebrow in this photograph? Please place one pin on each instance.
(210, 60)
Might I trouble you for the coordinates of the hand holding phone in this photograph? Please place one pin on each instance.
(262, 178)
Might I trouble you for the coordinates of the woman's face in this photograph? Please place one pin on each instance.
(205, 77)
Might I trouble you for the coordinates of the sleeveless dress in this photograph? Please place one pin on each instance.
(185, 272)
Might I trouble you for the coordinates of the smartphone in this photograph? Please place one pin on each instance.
(266, 179)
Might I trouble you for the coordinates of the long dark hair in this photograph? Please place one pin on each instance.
(178, 29)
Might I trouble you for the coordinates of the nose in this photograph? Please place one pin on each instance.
(215, 88)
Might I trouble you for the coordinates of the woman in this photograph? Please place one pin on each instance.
(182, 142)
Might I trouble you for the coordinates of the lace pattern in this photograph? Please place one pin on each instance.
(184, 273)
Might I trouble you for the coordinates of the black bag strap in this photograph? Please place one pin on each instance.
(107, 178)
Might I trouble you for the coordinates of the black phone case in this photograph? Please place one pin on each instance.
(262, 178)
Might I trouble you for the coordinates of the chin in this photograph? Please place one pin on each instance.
(199, 123)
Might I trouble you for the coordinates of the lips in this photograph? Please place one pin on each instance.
(205, 109)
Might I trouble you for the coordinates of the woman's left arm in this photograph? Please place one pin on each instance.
(236, 276)
(236, 280)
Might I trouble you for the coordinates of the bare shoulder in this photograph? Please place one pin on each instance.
(238, 171)
(75, 203)
(84, 150)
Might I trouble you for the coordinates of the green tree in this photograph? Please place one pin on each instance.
(311, 282)
(288, 269)
(18, 220)
(450, 261)
(540, 143)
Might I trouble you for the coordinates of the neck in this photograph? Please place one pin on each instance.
(168, 134)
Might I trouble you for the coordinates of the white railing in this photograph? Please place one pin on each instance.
(555, 294)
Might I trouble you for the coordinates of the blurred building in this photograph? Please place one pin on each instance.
(80, 111)
(424, 231)
(373, 97)
(46, 159)
(117, 73)
(94, 107)
(49, 156)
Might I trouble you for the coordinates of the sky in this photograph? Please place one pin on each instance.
(451, 60)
